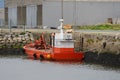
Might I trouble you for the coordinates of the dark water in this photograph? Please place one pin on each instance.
(18, 68)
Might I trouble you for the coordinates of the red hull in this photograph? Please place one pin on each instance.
(59, 54)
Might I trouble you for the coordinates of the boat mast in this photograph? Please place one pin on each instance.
(61, 20)
(75, 13)
(62, 9)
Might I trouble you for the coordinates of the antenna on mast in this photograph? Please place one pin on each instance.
(61, 20)
(62, 9)
(74, 13)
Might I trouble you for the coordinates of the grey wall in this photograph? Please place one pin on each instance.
(6, 16)
(21, 15)
(79, 13)
(39, 15)
(14, 3)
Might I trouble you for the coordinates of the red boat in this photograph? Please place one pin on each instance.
(61, 49)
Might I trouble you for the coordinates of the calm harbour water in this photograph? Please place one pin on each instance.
(19, 68)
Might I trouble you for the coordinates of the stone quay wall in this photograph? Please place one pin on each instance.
(102, 48)
(99, 48)
(13, 43)
(97, 42)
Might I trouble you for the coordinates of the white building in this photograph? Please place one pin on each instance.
(23, 13)
(80, 12)
(34, 13)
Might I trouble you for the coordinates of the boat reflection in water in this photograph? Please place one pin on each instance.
(28, 69)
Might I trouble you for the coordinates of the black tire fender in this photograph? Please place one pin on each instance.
(41, 57)
(35, 56)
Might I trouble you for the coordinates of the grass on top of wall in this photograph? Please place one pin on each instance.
(101, 27)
